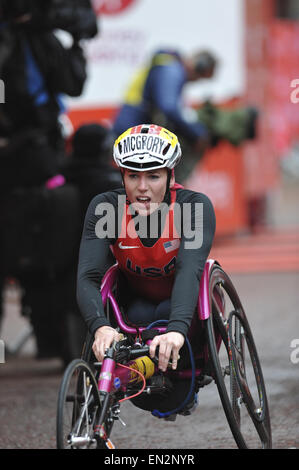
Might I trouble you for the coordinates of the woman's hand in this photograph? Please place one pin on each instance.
(169, 346)
(103, 338)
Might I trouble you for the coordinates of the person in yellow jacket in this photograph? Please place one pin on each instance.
(157, 89)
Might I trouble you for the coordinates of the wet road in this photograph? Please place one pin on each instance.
(28, 392)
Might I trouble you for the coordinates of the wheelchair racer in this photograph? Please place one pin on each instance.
(160, 235)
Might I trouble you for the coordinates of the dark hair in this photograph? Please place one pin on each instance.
(75, 16)
(89, 141)
(204, 62)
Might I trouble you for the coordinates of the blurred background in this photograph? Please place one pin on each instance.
(257, 47)
(251, 175)
(253, 182)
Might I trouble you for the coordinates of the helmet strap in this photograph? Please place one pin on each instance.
(167, 192)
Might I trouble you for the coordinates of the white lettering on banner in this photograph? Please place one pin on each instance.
(127, 39)
(117, 47)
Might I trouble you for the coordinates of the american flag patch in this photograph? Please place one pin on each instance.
(171, 245)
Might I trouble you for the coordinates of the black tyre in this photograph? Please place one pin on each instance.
(87, 352)
(109, 405)
(77, 408)
(235, 365)
(249, 375)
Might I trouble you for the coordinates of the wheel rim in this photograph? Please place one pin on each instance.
(249, 377)
(249, 422)
(78, 406)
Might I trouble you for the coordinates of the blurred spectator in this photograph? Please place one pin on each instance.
(89, 169)
(36, 70)
(156, 91)
(90, 165)
(40, 215)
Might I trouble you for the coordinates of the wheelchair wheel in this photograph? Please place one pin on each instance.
(235, 365)
(109, 406)
(78, 407)
(87, 352)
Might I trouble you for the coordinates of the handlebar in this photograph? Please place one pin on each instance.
(121, 351)
(134, 353)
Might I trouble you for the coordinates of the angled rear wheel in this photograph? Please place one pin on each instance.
(235, 365)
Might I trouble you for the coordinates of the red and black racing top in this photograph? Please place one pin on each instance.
(148, 269)
(167, 264)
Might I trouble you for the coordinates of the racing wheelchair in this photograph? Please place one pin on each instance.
(91, 393)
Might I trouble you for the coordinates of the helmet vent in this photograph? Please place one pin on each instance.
(166, 149)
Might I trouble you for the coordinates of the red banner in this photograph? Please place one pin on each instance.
(260, 156)
(220, 176)
(284, 84)
(111, 7)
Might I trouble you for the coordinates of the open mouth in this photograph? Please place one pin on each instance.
(143, 203)
(143, 199)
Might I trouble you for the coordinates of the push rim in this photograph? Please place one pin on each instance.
(228, 338)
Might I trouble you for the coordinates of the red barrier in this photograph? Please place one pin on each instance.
(100, 115)
(220, 176)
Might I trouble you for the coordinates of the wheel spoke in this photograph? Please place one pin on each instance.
(240, 372)
(78, 404)
(233, 354)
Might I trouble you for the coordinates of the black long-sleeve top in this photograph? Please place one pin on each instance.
(94, 257)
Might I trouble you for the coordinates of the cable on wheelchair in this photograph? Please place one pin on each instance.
(142, 388)
(159, 414)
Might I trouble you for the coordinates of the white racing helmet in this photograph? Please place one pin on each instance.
(147, 147)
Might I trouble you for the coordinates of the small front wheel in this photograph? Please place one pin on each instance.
(77, 408)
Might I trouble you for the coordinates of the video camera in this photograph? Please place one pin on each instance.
(74, 16)
(233, 125)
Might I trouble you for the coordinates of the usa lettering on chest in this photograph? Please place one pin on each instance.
(151, 271)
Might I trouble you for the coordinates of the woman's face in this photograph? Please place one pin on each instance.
(146, 189)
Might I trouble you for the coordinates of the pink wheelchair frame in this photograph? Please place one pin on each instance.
(111, 277)
(203, 309)
(231, 328)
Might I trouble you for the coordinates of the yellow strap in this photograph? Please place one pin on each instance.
(134, 93)
(163, 59)
(135, 90)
